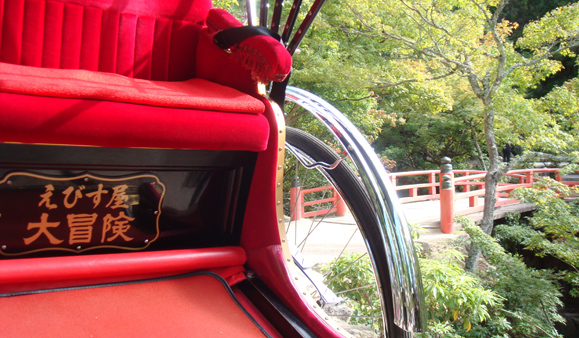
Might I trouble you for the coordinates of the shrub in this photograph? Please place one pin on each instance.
(532, 297)
(457, 303)
(553, 228)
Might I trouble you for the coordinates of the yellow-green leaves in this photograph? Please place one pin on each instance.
(560, 26)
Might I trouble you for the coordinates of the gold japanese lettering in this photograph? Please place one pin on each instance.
(96, 196)
(118, 226)
(42, 227)
(119, 197)
(76, 196)
(81, 226)
(46, 198)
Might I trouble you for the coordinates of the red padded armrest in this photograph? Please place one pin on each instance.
(265, 57)
(113, 267)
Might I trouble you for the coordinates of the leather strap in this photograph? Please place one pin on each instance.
(230, 37)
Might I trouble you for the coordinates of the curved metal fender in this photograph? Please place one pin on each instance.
(407, 293)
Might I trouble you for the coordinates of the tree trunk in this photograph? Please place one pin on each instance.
(491, 181)
(477, 146)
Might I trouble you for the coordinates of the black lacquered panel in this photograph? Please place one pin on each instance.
(109, 200)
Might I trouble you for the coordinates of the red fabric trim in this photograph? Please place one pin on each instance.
(266, 58)
(231, 74)
(261, 239)
(72, 83)
(269, 264)
(192, 10)
(197, 306)
(260, 223)
(48, 120)
(137, 38)
(42, 273)
(258, 316)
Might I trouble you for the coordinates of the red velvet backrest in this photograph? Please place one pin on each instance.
(146, 39)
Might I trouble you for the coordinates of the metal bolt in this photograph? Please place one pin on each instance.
(280, 220)
(279, 167)
(278, 184)
(78, 247)
(86, 179)
(4, 247)
(280, 149)
(278, 203)
(9, 182)
(146, 241)
(156, 212)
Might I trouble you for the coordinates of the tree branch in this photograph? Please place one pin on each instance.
(382, 85)
(357, 99)
(534, 156)
(502, 60)
(545, 56)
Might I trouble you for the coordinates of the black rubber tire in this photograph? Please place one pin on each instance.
(344, 179)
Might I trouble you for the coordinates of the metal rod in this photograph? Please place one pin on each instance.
(251, 12)
(298, 37)
(263, 7)
(291, 20)
(276, 17)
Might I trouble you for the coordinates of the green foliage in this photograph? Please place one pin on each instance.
(457, 303)
(440, 66)
(557, 27)
(531, 296)
(553, 228)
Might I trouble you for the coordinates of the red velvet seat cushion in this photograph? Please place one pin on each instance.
(77, 107)
(49, 120)
(74, 83)
(198, 306)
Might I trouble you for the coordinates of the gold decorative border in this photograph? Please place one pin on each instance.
(95, 177)
(280, 122)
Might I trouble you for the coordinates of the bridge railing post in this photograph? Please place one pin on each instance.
(446, 196)
(432, 181)
(341, 207)
(296, 200)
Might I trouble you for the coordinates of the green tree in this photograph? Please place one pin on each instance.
(424, 42)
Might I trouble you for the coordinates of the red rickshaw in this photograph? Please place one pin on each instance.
(142, 191)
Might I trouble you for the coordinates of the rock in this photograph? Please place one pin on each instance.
(360, 331)
(424, 248)
(338, 311)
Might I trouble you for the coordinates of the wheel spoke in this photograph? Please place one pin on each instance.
(345, 269)
(353, 289)
(332, 250)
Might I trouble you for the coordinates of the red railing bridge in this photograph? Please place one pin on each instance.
(447, 185)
